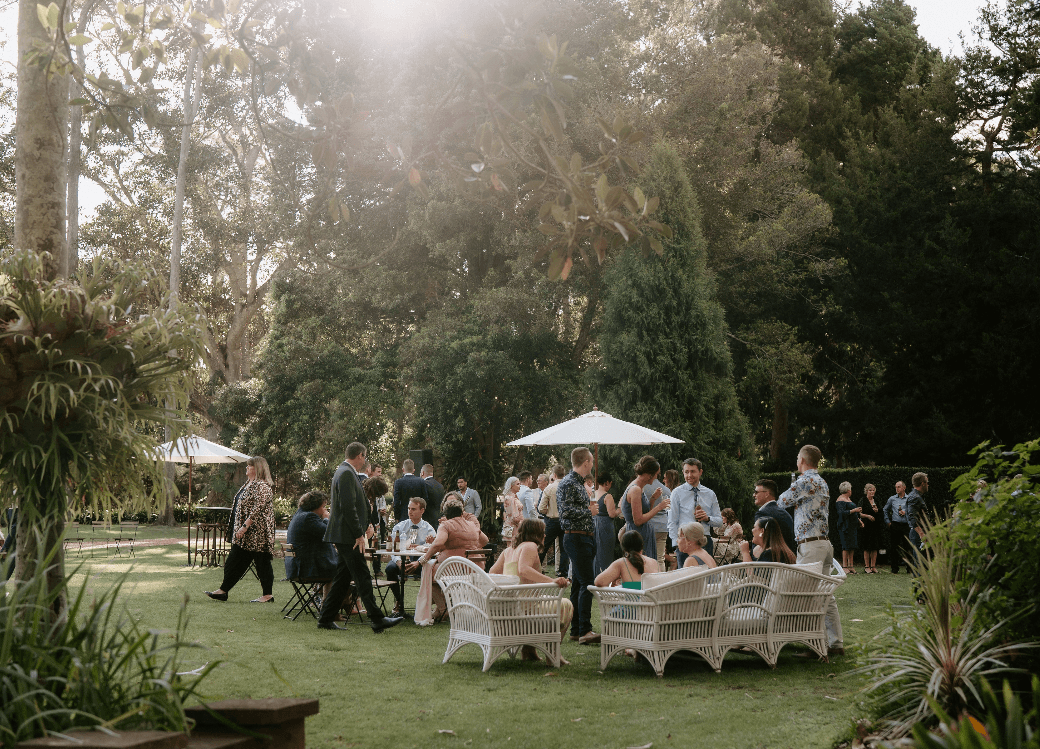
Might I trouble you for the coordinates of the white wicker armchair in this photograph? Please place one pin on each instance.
(758, 605)
(498, 615)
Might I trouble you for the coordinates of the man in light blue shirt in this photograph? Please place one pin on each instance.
(898, 529)
(424, 534)
(692, 502)
(528, 496)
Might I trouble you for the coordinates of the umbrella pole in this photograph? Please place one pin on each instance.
(191, 462)
(596, 464)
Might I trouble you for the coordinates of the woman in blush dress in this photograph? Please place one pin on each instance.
(512, 509)
(456, 533)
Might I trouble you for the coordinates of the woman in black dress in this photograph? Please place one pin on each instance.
(871, 535)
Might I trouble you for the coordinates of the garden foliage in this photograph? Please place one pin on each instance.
(938, 654)
(94, 667)
(995, 535)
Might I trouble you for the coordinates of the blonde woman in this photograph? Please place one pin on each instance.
(252, 533)
(512, 509)
(691, 543)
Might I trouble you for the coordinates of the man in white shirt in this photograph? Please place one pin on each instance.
(693, 502)
(423, 534)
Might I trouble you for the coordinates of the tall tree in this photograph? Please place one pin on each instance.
(664, 353)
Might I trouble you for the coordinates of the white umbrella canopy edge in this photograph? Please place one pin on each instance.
(596, 427)
(192, 449)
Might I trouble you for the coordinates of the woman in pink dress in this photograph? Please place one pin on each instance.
(457, 532)
(512, 509)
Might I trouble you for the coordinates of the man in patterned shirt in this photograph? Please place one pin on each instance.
(810, 498)
(576, 520)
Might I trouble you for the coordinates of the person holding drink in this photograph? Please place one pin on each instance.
(412, 531)
(693, 502)
(638, 509)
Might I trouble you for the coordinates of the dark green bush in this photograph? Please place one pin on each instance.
(996, 539)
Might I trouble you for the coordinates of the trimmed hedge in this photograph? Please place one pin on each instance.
(940, 495)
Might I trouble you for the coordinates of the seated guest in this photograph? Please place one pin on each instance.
(456, 533)
(769, 536)
(727, 538)
(630, 568)
(375, 488)
(423, 533)
(691, 543)
(314, 558)
(521, 559)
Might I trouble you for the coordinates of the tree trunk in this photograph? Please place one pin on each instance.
(34, 541)
(190, 106)
(41, 126)
(779, 433)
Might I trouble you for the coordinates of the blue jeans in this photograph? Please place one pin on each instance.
(581, 551)
(553, 530)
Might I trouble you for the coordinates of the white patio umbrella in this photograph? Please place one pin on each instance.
(192, 450)
(597, 428)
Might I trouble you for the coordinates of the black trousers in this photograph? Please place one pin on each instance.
(553, 531)
(237, 563)
(352, 568)
(899, 546)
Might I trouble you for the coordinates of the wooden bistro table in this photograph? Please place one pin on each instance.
(210, 543)
(408, 555)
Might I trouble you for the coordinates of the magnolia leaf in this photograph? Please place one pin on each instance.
(566, 270)
(78, 40)
(556, 264)
(640, 198)
(651, 205)
(621, 229)
(414, 177)
(658, 248)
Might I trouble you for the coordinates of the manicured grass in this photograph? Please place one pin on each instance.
(391, 690)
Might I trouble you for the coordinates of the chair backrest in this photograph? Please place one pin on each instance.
(291, 568)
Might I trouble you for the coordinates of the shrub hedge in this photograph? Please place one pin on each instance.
(940, 495)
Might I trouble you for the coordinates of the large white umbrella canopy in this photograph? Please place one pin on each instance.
(192, 450)
(599, 428)
(199, 450)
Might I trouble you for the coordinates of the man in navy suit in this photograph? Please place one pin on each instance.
(406, 487)
(348, 527)
(435, 489)
(765, 501)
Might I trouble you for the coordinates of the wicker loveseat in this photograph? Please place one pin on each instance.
(498, 614)
(758, 605)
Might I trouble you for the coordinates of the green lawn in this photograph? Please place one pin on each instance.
(390, 690)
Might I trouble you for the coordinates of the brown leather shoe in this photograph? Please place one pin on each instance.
(589, 638)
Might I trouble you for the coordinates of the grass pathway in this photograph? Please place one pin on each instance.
(390, 690)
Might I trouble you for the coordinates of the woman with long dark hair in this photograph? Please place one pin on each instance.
(630, 568)
(521, 559)
(251, 533)
(768, 535)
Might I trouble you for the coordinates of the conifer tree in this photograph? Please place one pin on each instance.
(665, 359)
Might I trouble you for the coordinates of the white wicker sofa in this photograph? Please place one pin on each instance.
(759, 605)
(498, 614)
